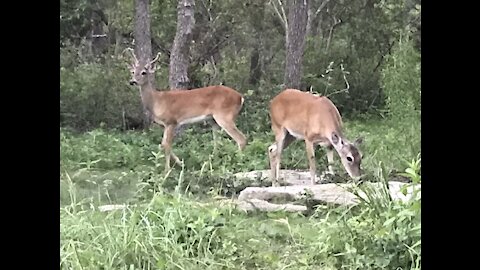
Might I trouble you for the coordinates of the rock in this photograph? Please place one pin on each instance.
(255, 204)
(287, 177)
(322, 193)
(396, 193)
(296, 187)
(111, 207)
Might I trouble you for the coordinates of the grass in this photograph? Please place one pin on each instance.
(185, 220)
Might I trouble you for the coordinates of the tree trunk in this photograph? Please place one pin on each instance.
(295, 42)
(179, 58)
(98, 35)
(256, 18)
(143, 43)
(255, 67)
(118, 41)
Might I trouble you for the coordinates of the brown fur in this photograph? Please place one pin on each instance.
(314, 119)
(298, 111)
(173, 108)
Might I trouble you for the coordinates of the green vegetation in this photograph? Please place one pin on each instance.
(186, 219)
(176, 232)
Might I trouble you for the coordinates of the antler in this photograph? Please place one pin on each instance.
(150, 65)
(156, 58)
(132, 52)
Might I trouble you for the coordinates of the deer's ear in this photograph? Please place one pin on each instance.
(335, 138)
(151, 68)
(358, 141)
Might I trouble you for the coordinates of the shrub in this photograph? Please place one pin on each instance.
(401, 80)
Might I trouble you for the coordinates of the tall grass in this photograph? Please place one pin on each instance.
(113, 160)
(178, 232)
(179, 221)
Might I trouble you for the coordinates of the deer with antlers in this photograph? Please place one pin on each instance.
(172, 109)
(316, 120)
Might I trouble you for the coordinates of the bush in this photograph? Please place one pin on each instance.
(401, 80)
(92, 94)
(379, 233)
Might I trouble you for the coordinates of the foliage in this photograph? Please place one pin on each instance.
(97, 94)
(171, 231)
(138, 152)
(401, 80)
(184, 219)
(383, 233)
(385, 238)
(180, 220)
(226, 38)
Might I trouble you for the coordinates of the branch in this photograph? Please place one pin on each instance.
(209, 53)
(213, 78)
(320, 8)
(282, 15)
(346, 82)
(382, 56)
(99, 35)
(207, 9)
(336, 22)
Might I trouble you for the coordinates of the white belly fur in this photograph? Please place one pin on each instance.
(301, 137)
(194, 119)
(295, 134)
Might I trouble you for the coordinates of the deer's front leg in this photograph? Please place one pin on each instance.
(311, 160)
(272, 156)
(330, 159)
(167, 140)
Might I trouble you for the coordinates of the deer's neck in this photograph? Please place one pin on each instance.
(147, 93)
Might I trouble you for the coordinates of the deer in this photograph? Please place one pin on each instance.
(298, 115)
(172, 109)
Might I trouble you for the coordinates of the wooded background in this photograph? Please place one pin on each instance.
(365, 54)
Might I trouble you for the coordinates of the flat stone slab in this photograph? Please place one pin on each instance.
(287, 177)
(111, 207)
(296, 187)
(262, 205)
(326, 193)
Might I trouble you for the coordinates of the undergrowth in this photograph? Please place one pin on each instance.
(185, 219)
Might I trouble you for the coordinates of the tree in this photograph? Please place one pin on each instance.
(257, 20)
(250, 44)
(295, 42)
(179, 58)
(143, 42)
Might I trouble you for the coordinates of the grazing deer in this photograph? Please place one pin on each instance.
(315, 119)
(172, 109)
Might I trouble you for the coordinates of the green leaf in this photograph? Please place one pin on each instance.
(389, 221)
(411, 171)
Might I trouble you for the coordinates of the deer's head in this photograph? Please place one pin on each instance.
(349, 154)
(141, 73)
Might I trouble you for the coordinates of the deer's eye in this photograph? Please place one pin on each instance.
(144, 72)
(350, 159)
